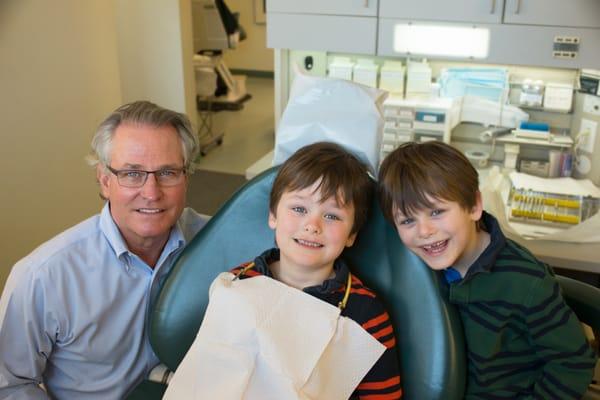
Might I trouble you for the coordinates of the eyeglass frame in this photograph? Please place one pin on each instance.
(115, 172)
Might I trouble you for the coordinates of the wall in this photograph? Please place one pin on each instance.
(155, 53)
(58, 78)
(252, 53)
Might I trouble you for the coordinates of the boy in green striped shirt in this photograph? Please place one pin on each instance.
(523, 341)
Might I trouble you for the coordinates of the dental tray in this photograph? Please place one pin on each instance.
(550, 209)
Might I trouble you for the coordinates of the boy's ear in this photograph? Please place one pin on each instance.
(477, 209)
(272, 220)
(351, 239)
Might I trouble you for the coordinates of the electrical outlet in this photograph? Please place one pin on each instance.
(591, 104)
(309, 62)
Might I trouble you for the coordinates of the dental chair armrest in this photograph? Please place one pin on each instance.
(154, 386)
(148, 390)
(584, 300)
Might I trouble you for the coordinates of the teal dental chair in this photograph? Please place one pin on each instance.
(428, 330)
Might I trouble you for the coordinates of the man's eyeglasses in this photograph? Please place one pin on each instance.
(134, 178)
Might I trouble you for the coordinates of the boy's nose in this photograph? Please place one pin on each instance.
(426, 229)
(312, 226)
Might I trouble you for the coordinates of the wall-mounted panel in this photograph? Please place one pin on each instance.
(517, 44)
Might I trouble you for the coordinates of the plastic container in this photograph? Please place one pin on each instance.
(365, 73)
(341, 68)
(391, 77)
(479, 159)
(418, 79)
(532, 93)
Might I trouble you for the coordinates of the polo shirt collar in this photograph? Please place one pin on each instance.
(340, 269)
(486, 260)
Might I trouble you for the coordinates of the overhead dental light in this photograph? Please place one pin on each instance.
(441, 40)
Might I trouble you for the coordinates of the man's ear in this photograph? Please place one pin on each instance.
(103, 180)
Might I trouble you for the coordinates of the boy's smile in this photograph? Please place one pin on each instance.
(444, 235)
(310, 234)
(436, 248)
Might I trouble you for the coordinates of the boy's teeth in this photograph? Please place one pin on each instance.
(311, 244)
(434, 245)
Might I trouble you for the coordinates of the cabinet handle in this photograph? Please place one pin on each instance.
(366, 3)
(493, 6)
(518, 8)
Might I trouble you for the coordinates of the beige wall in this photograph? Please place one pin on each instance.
(58, 78)
(252, 53)
(155, 52)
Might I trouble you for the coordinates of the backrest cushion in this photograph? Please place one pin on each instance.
(428, 330)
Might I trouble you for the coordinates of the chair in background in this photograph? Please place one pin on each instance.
(428, 329)
(215, 29)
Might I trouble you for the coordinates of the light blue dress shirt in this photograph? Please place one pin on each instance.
(72, 314)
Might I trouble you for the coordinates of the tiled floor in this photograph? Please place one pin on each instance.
(249, 133)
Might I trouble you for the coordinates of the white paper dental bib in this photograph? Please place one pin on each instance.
(261, 339)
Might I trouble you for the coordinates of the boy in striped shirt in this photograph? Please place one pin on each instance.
(318, 203)
(522, 339)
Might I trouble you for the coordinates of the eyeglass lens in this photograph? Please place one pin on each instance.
(165, 177)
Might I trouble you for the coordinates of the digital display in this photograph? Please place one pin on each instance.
(570, 47)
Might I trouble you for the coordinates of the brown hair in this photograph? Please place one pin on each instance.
(342, 175)
(415, 171)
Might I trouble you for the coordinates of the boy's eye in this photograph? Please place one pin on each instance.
(332, 217)
(405, 221)
(436, 212)
(402, 220)
(299, 209)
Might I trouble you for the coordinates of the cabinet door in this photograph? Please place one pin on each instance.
(344, 34)
(571, 13)
(488, 11)
(331, 7)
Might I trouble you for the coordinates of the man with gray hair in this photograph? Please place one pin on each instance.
(73, 312)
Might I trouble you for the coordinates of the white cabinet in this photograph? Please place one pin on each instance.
(344, 34)
(551, 33)
(567, 13)
(486, 11)
(348, 26)
(515, 44)
(324, 7)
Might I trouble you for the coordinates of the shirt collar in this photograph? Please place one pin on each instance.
(337, 282)
(487, 259)
(111, 231)
(452, 275)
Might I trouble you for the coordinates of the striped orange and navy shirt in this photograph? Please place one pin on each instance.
(382, 382)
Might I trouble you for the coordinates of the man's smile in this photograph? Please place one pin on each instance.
(149, 210)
